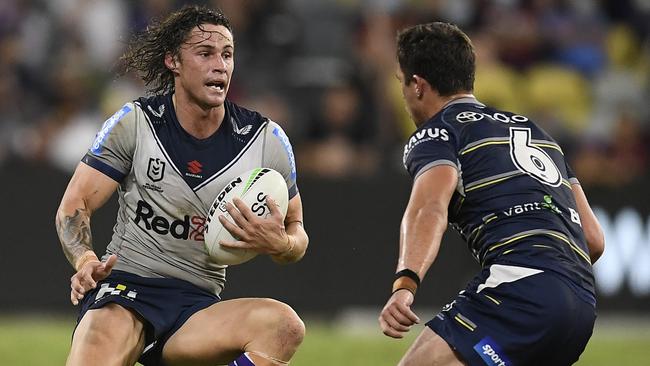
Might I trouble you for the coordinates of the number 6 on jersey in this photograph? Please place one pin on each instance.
(532, 160)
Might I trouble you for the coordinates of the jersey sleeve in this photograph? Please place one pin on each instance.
(571, 175)
(430, 147)
(112, 151)
(278, 155)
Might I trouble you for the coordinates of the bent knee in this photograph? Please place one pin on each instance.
(283, 320)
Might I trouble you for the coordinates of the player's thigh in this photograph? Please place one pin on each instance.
(222, 331)
(429, 349)
(111, 331)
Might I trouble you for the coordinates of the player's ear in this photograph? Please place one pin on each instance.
(171, 62)
(420, 85)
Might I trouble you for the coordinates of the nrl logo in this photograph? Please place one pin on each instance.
(240, 131)
(156, 169)
(160, 112)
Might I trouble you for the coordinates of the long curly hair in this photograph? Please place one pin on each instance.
(145, 53)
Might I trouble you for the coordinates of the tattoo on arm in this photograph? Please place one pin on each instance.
(74, 234)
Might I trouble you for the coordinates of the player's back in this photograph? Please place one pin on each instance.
(514, 203)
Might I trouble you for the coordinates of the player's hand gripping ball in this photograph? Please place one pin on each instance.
(251, 187)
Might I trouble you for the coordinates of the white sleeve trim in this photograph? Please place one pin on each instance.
(435, 164)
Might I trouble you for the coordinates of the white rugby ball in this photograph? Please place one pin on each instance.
(251, 187)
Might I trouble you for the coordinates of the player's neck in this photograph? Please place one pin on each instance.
(438, 103)
(197, 121)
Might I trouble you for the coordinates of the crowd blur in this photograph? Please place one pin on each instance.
(325, 70)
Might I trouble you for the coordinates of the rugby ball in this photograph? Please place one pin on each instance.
(251, 187)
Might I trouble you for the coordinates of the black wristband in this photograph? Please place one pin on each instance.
(410, 274)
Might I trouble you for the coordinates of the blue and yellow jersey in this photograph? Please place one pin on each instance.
(513, 203)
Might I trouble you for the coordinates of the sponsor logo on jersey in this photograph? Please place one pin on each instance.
(161, 111)
(240, 131)
(119, 290)
(491, 352)
(424, 135)
(188, 228)
(287, 147)
(469, 116)
(474, 116)
(194, 168)
(108, 125)
(156, 169)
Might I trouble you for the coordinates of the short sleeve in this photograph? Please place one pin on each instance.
(571, 175)
(278, 155)
(429, 147)
(112, 151)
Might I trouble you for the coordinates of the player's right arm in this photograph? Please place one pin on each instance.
(88, 190)
(423, 225)
(94, 181)
(590, 225)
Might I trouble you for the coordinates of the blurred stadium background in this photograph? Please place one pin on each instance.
(325, 71)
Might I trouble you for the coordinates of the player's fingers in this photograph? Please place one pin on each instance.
(273, 206)
(394, 323)
(407, 312)
(243, 209)
(387, 329)
(233, 229)
(400, 316)
(235, 244)
(76, 294)
(236, 215)
(110, 262)
(77, 287)
(87, 281)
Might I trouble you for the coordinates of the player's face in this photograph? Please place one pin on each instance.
(206, 64)
(411, 101)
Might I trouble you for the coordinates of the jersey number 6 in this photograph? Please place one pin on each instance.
(531, 159)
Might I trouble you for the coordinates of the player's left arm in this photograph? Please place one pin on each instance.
(296, 234)
(423, 225)
(285, 241)
(590, 225)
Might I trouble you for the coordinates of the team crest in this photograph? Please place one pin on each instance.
(156, 169)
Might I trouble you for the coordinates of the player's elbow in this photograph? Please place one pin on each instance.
(595, 241)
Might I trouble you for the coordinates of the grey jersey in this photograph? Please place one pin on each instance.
(168, 180)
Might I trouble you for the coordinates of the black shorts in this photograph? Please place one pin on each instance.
(164, 303)
(535, 320)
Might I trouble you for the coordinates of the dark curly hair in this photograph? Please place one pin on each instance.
(440, 53)
(145, 53)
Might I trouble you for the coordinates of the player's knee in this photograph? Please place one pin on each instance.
(282, 320)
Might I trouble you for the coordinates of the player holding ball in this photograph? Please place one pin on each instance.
(154, 296)
(504, 185)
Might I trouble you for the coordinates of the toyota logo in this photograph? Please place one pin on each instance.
(468, 116)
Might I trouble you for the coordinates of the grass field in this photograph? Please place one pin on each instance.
(42, 341)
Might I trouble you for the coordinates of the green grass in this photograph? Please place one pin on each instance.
(30, 341)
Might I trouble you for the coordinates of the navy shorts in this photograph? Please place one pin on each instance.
(539, 319)
(164, 303)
